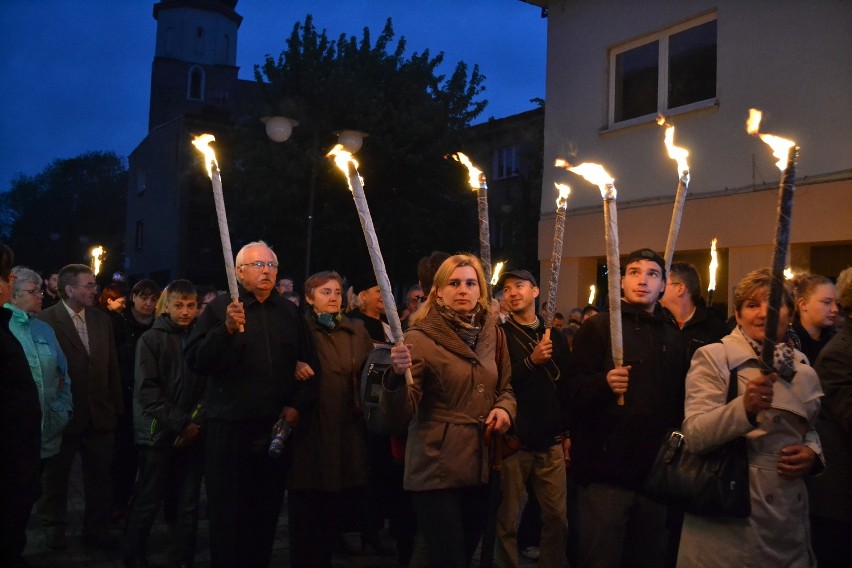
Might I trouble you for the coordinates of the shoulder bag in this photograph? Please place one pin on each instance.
(711, 484)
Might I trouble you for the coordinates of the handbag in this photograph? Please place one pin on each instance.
(711, 484)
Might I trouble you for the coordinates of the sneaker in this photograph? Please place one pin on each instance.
(531, 552)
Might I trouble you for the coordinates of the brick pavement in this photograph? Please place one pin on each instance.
(77, 555)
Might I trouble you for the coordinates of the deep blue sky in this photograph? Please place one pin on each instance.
(76, 74)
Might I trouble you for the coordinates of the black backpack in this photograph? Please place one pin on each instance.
(371, 388)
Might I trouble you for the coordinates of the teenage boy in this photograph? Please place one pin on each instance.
(166, 408)
(614, 446)
(539, 379)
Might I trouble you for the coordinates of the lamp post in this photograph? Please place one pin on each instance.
(279, 129)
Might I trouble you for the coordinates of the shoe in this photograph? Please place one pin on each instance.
(101, 540)
(531, 552)
(56, 539)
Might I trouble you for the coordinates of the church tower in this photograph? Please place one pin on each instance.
(171, 225)
(195, 59)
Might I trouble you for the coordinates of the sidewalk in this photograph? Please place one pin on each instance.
(78, 555)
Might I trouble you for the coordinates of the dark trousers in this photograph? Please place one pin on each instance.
(162, 469)
(314, 518)
(245, 490)
(451, 522)
(18, 487)
(125, 461)
(96, 451)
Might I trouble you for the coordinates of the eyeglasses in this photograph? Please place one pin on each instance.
(35, 292)
(259, 264)
(89, 286)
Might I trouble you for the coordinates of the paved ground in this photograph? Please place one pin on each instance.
(78, 555)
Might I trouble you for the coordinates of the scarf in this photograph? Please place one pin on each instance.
(327, 320)
(466, 327)
(782, 358)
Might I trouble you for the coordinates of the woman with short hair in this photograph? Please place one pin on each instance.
(47, 361)
(461, 373)
(775, 411)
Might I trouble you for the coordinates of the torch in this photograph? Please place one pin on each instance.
(679, 155)
(347, 164)
(97, 254)
(556, 256)
(596, 174)
(498, 268)
(202, 143)
(478, 184)
(592, 291)
(714, 265)
(787, 153)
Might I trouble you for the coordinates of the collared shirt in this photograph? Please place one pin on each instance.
(79, 319)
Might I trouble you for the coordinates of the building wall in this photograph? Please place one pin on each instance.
(731, 196)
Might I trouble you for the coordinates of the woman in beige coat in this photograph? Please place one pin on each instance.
(461, 386)
(776, 413)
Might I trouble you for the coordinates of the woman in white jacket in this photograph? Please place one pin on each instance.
(776, 414)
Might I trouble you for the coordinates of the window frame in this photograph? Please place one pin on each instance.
(662, 37)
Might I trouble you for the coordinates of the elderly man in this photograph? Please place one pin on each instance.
(85, 336)
(253, 351)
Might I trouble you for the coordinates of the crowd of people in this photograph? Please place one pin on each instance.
(500, 434)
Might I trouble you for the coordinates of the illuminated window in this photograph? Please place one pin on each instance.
(671, 69)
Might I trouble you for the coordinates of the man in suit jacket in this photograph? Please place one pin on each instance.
(85, 335)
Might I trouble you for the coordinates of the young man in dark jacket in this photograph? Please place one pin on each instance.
(539, 379)
(167, 424)
(615, 445)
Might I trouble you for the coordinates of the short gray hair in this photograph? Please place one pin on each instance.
(24, 276)
(242, 251)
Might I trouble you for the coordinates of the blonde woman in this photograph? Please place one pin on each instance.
(461, 386)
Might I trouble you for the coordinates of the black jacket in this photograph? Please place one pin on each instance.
(702, 328)
(541, 391)
(250, 374)
(166, 393)
(617, 444)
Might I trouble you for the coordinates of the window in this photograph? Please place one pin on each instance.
(664, 71)
(195, 88)
(506, 162)
(140, 235)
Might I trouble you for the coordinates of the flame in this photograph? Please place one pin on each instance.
(202, 142)
(97, 258)
(780, 146)
(675, 153)
(592, 292)
(788, 273)
(714, 265)
(475, 175)
(342, 158)
(593, 173)
(564, 192)
(498, 268)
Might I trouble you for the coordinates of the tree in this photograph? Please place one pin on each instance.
(419, 200)
(55, 217)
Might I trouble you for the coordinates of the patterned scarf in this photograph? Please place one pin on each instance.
(466, 327)
(782, 359)
(327, 320)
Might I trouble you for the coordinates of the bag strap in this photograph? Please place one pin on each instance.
(732, 385)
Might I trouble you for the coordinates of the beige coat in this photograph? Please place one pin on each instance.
(777, 533)
(455, 387)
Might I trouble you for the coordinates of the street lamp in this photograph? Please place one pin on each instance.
(279, 129)
(351, 140)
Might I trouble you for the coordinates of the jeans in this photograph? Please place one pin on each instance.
(546, 472)
(162, 469)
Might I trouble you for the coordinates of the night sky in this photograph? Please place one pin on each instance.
(76, 74)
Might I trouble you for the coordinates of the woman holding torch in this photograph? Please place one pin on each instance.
(775, 411)
(461, 372)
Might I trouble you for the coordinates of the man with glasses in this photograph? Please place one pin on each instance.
(85, 336)
(255, 352)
